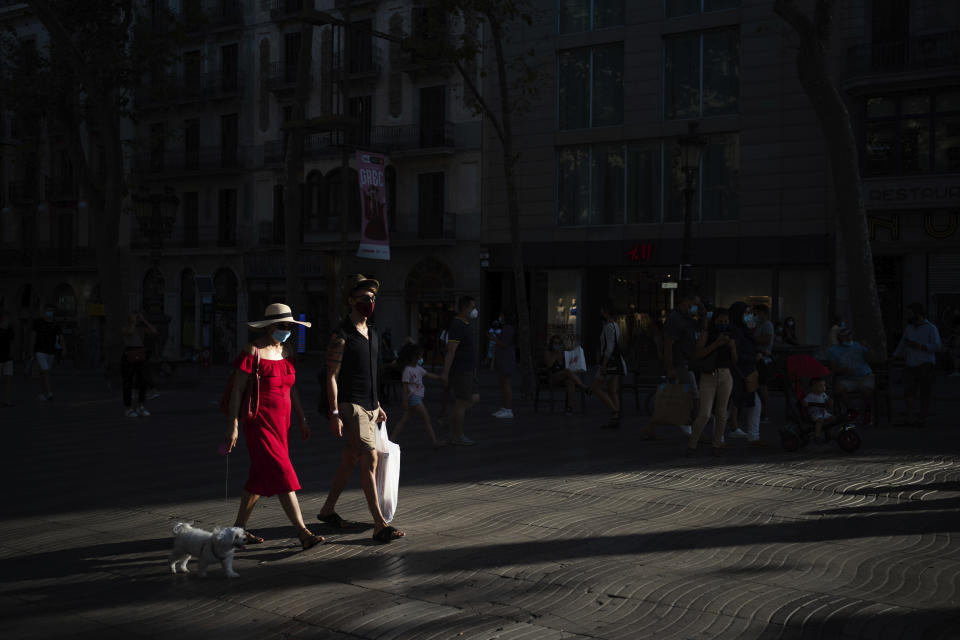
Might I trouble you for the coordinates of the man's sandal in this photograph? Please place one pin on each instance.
(308, 540)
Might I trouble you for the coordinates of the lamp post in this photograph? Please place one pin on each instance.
(691, 148)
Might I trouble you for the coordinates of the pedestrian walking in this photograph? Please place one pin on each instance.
(505, 363)
(47, 338)
(411, 359)
(918, 347)
(266, 435)
(716, 355)
(679, 346)
(7, 335)
(355, 410)
(746, 379)
(460, 366)
(606, 384)
(133, 363)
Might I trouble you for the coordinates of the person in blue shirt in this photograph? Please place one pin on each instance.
(849, 363)
(918, 347)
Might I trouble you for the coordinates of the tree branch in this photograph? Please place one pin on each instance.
(796, 18)
(484, 106)
(59, 34)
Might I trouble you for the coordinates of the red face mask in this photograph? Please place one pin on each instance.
(365, 308)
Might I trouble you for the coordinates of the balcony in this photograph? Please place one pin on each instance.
(193, 87)
(58, 189)
(412, 137)
(430, 227)
(282, 77)
(208, 159)
(315, 145)
(22, 191)
(365, 66)
(285, 9)
(919, 53)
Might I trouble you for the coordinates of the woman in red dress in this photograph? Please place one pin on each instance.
(266, 435)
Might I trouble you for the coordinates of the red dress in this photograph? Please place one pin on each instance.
(266, 435)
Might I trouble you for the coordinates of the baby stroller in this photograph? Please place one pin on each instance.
(800, 427)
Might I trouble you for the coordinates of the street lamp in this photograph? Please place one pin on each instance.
(691, 147)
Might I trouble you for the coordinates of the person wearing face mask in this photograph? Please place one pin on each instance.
(790, 331)
(505, 363)
(46, 336)
(918, 347)
(271, 473)
(411, 359)
(460, 366)
(352, 354)
(133, 362)
(716, 355)
(606, 384)
(558, 374)
(848, 361)
(679, 345)
(6, 358)
(745, 401)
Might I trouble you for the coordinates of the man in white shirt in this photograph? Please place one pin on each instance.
(918, 347)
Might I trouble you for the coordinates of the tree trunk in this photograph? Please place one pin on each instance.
(292, 189)
(513, 211)
(817, 81)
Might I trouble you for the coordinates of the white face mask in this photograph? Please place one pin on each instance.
(474, 314)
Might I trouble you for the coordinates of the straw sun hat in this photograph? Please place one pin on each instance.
(276, 312)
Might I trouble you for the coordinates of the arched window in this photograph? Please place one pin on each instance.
(334, 197)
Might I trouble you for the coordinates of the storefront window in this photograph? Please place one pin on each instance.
(563, 304)
(803, 296)
(752, 286)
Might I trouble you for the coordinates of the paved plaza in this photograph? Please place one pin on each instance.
(548, 528)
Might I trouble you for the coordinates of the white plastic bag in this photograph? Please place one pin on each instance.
(574, 360)
(388, 471)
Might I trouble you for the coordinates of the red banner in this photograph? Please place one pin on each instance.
(374, 238)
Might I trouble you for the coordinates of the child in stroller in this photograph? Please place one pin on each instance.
(812, 412)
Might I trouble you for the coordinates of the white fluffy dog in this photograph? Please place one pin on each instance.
(206, 546)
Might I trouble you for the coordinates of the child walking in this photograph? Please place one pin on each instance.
(411, 358)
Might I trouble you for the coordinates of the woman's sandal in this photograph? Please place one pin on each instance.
(308, 540)
(388, 534)
(252, 538)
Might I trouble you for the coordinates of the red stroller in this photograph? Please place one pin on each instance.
(801, 369)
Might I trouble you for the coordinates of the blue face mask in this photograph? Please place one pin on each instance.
(694, 308)
(747, 318)
(709, 315)
(420, 362)
(281, 335)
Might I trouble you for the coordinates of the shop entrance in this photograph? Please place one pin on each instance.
(430, 300)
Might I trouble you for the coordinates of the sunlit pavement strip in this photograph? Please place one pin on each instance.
(549, 528)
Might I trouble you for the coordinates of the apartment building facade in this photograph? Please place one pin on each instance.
(204, 235)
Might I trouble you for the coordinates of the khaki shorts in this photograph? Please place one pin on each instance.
(464, 385)
(358, 426)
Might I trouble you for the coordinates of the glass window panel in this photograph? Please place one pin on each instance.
(608, 185)
(881, 108)
(643, 184)
(681, 77)
(948, 101)
(717, 5)
(682, 7)
(915, 144)
(608, 86)
(607, 13)
(720, 166)
(721, 72)
(915, 104)
(573, 15)
(563, 295)
(573, 186)
(673, 186)
(881, 144)
(947, 137)
(573, 102)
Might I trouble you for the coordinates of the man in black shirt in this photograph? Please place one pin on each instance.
(46, 337)
(460, 366)
(6, 357)
(355, 410)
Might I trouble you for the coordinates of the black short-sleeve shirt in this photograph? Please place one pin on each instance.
(357, 382)
(465, 357)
